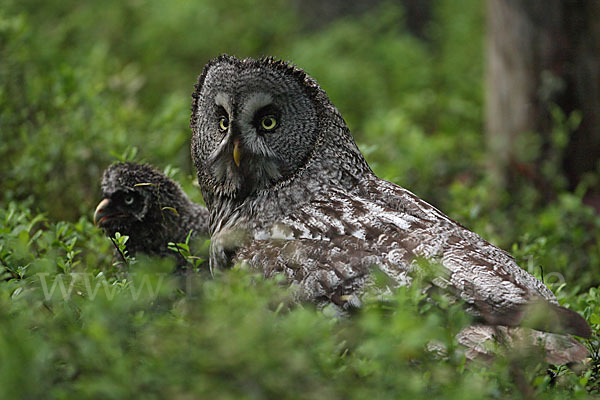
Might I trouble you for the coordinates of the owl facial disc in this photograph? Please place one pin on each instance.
(254, 125)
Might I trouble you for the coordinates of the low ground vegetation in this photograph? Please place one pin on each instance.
(77, 95)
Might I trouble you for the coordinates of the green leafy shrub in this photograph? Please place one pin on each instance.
(84, 83)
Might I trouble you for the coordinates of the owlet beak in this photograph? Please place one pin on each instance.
(237, 152)
(101, 211)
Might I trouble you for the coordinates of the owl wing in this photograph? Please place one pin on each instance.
(328, 248)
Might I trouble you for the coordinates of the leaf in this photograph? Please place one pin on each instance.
(595, 319)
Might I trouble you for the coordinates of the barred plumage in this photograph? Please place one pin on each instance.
(296, 196)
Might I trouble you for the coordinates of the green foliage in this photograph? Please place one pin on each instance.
(87, 83)
(237, 336)
(189, 252)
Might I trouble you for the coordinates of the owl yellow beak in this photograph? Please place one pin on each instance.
(237, 152)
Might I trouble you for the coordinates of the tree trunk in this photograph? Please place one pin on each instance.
(540, 53)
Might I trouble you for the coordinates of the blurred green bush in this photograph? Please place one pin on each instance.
(85, 83)
(86, 80)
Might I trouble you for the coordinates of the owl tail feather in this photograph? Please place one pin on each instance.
(481, 343)
(539, 315)
(548, 317)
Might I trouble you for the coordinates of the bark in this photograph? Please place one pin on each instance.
(539, 53)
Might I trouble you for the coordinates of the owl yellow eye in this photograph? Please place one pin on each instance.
(268, 123)
(223, 124)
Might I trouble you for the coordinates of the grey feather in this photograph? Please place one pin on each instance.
(304, 202)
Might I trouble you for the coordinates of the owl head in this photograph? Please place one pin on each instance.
(257, 123)
(137, 201)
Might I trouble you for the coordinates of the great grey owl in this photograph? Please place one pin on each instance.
(149, 207)
(289, 192)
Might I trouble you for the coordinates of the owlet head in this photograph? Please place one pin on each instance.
(254, 125)
(134, 197)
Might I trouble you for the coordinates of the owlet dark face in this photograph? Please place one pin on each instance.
(253, 123)
(127, 191)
